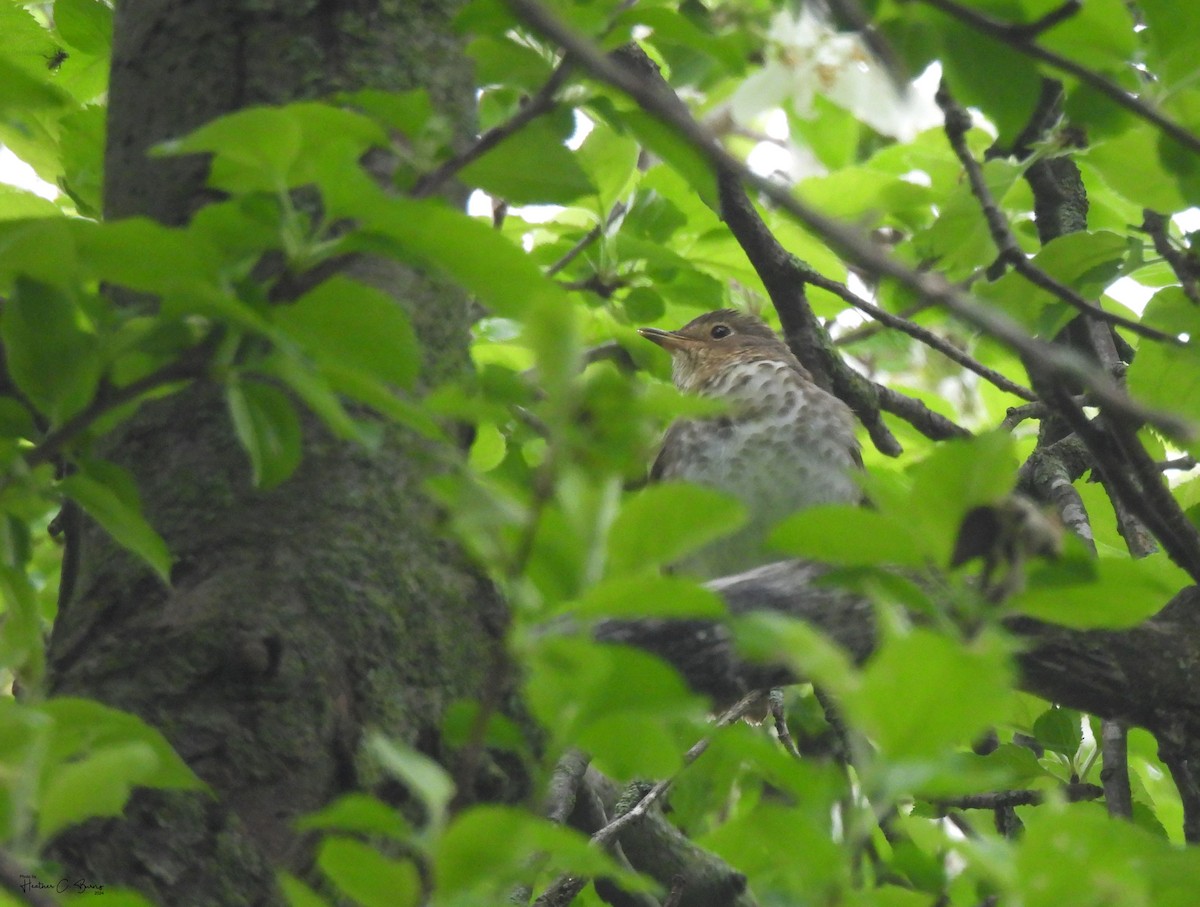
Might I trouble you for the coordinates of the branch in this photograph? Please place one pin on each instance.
(1132, 477)
(1049, 475)
(1180, 758)
(1184, 463)
(1143, 676)
(846, 239)
(918, 333)
(932, 425)
(660, 850)
(1019, 38)
(1015, 415)
(1114, 774)
(1156, 226)
(958, 123)
(1074, 793)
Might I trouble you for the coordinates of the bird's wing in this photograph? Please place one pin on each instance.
(665, 464)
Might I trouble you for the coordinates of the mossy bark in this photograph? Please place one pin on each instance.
(297, 619)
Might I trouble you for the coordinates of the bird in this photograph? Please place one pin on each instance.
(783, 443)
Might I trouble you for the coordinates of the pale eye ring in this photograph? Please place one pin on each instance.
(720, 331)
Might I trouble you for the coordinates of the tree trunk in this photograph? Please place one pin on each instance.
(296, 618)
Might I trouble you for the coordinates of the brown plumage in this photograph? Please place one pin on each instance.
(784, 444)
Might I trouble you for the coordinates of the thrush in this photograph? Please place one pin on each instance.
(782, 444)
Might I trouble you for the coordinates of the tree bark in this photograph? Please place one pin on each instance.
(297, 618)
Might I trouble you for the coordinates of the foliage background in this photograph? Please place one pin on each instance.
(154, 333)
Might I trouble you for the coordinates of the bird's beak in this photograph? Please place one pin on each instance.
(668, 340)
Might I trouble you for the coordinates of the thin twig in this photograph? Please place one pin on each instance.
(779, 717)
(920, 334)
(1015, 415)
(656, 792)
(538, 105)
(576, 250)
(1051, 19)
(849, 240)
(957, 124)
(1017, 37)
(932, 425)
(188, 366)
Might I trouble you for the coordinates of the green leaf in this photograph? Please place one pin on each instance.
(1163, 375)
(680, 154)
(81, 134)
(586, 691)
(95, 755)
(505, 61)
(663, 522)
(359, 813)
(1076, 854)
(268, 428)
(1130, 164)
(275, 148)
(771, 638)
(16, 204)
(610, 161)
(21, 631)
(1113, 592)
(141, 253)
(984, 73)
(119, 514)
(648, 596)
(298, 894)
(532, 166)
(960, 238)
(99, 784)
(21, 91)
(1172, 37)
(318, 394)
(1087, 262)
(957, 477)
(423, 777)
(83, 724)
(484, 262)
(924, 693)
(850, 536)
(50, 356)
(489, 849)
(84, 24)
(1059, 730)
(352, 326)
(367, 875)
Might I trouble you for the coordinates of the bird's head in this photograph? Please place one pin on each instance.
(706, 346)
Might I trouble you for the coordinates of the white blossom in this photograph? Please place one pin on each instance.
(807, 57)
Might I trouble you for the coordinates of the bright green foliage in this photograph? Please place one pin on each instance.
(567, 404)
(67, 760)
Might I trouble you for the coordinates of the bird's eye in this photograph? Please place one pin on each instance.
(720, 331)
